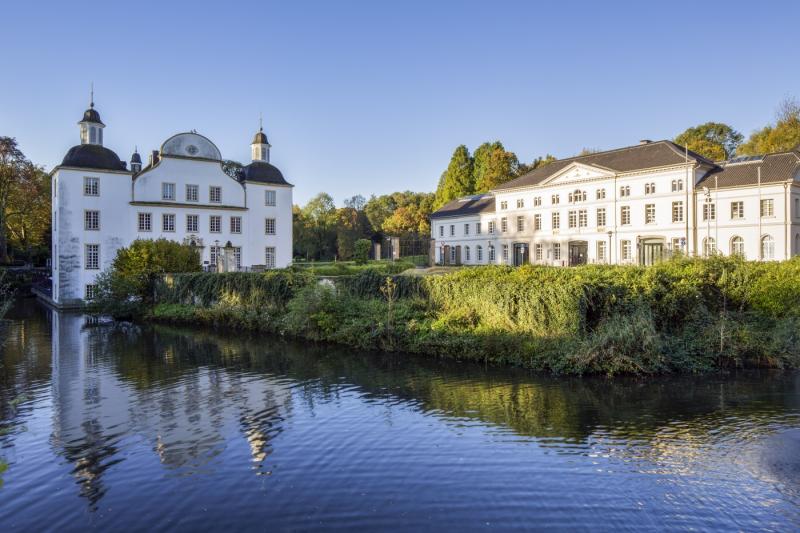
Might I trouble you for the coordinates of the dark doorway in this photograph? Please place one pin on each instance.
(651, 251)
(578, 251)
(521, 252)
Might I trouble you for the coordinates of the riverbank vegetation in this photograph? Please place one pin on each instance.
(685, 315)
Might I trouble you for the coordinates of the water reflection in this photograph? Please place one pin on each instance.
(124, 406)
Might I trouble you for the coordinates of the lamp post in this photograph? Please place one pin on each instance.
(609, 232)
(707, 215)
(228, 257)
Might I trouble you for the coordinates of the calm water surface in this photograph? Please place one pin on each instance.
(156, 428)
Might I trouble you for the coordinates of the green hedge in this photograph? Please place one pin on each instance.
(681, 315)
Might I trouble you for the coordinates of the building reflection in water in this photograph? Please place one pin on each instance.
(108, 386)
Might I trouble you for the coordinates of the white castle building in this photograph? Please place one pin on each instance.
(183, 194)
(633, 205)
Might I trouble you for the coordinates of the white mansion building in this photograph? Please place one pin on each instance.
(632, 205)
(183, 194)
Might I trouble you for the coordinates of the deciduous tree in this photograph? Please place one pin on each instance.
(781, 136)
(713, 140)
(493, 166)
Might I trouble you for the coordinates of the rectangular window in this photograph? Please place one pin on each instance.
(537, 252)
(477, 228)
(452, 255)
(145, 221)
(269, 226)
(269, 257)
(583, 218)
(737, 209)
(269, 198)
(709, 211)
(215, 224)
(214, 255)
(479, 253)
(491, 227)
(572, 219)
(677, 211)
(90, 292)
(92, 256)
(215, 194)
(441, 231)
(91, 220)
(504, 225)
(466, 229)
(626, 250)
(601, 251)
(236, 224)
(503, 205)
(452, 230)
(192, 223)
(167, 222)
(557, 251)
(537, 222)
(192, 193)
(491, 253)
(556, 220)
(601, 217)
(520, 223)
(237, 257)
(625, 215)
(466, 253)
(767, 208)
(167, 191)
(520, 203)
(554, 199)
(505, 253)
(650, 213)
(91, 186)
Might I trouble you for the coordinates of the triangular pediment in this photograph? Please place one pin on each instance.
(577, 172)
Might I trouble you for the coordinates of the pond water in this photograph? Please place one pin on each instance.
(156, 428)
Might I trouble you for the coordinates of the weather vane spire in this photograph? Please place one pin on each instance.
(91, 94)
(260, 122)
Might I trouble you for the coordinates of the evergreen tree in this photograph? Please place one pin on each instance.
(457, 180)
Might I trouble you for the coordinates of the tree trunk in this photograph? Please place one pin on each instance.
(3, 237)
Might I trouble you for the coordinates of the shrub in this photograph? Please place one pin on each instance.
(131, 280)
(361, 251)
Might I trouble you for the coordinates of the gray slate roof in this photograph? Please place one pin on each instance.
(777, 167)
(638, 157)
(469, 205)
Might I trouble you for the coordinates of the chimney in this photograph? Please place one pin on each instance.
(153, 158)
(645, 141)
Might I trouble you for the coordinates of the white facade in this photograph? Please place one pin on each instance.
(184, 195)
(585, 210)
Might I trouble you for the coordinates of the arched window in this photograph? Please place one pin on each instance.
(737, 246)
(797, 244)
(491, 253)
(767, 247)
(709, 246)
(479, 251)
(466, 253)
(583, 196)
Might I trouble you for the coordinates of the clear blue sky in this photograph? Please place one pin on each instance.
(372, 97)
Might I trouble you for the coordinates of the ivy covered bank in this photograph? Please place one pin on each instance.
(684, 315)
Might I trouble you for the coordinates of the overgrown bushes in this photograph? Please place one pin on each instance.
(683, 315)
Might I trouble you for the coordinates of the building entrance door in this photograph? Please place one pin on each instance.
(651, 251)
(520, 254)
(578, 251)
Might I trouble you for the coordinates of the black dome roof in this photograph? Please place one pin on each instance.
(260, 138)
(92, 156)
(91, 115)
(136, 158)
(263, 172)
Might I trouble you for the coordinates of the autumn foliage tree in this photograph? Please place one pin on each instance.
(714, 140)
(779, 137)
